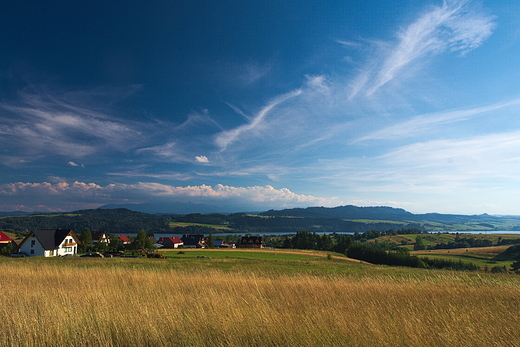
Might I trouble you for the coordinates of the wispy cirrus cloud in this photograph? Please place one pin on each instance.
(225, 138)
(427, 123)
(455, 26)
(40, 124)
(449, 166)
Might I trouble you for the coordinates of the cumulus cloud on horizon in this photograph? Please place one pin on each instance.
(64, 196)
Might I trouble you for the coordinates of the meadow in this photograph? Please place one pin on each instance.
(251, 298)
(485, 257)
(185, 224)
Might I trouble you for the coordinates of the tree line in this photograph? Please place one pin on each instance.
(369, 251)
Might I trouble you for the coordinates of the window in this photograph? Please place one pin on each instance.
(33, 242)
(32, 251)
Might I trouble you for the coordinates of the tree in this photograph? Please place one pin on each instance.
(516, 265)
(7, 249)
(344, 241)
(86, 240)
(419, 243)
(143, 241)
(211, 240)
(325, 243)
(115, 244)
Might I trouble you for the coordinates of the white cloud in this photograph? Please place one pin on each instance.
(449, 167)
(201, 159)
(168, 151)
(454, 26)
(423, 124)
(68, 196)
(225, 138)
(40, 124)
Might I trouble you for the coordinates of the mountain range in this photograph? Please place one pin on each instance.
(320, 219)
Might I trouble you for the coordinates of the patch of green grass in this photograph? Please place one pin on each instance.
(470, 258)
(184, 224)
(376, 221)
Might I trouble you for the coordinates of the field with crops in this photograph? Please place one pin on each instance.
(251, 298)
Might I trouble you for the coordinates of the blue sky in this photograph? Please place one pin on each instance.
(261, 105)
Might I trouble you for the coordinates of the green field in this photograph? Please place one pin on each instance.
(377, 221)
(214, 226)
(481, 256)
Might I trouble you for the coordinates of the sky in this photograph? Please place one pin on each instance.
(258, 105)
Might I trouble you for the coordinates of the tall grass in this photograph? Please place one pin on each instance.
(50, 305)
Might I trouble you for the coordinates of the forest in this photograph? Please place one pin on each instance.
(315, 219)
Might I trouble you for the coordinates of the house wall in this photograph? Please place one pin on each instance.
(169, 244)
(68, 247)
(33, 248)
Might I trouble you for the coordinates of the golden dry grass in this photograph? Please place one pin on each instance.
(55, 305)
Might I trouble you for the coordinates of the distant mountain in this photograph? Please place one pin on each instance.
(346, 212)
(382, 213)
(177, 208)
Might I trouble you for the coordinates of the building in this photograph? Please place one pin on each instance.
(6, 241)
(171, 242)
(100, 236)
(251, 242)
(124, 239)
(194, 241)
(223, 244)
(50, 243)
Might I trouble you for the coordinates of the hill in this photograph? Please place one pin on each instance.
(427, 221)
(315, 219)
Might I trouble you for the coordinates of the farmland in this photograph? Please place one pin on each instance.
(185, 224)
(252, 298)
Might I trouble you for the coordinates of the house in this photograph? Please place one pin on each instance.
(124, 239)
(194, 241)
(5, 241)
(100, 236)
(251, 242)
(49, 243)
(171, 242)
(223, 244)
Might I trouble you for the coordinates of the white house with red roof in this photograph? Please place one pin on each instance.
(125, 239)
(171, 242)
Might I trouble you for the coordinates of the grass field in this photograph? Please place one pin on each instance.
(183, 224)
(251, 298)
(376, 221)
(432, 239)
(481, 256)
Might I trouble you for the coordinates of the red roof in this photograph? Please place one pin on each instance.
(172, 239)
(175, 239)
(124, 238)
(4, 237)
